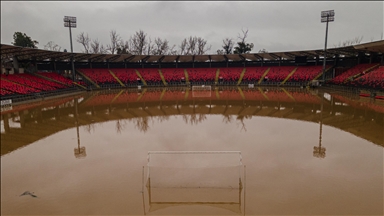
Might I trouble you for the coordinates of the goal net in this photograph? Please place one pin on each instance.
(213, 178)
(201, 91)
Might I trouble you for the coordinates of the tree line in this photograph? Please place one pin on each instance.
(140, 43)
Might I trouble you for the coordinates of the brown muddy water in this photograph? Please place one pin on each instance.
(228, 151)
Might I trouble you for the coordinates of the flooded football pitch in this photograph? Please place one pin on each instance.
(174, 151)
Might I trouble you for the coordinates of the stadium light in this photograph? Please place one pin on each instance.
(71, 22)
(326, 16)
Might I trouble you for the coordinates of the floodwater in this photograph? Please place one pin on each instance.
(228, 151)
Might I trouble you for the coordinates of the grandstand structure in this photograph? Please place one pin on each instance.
(28, 73)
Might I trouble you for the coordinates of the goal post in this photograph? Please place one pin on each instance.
(212, 178)
(201, 91)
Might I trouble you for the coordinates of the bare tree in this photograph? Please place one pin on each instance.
(139, 42)
(124, 47)
(350, 42)
(242, 46)
(97, 47)
(183, 47)
(228, 46)
(194, 46)
(202, 46)
(263, 51)
(191, 48)
(161, 47)
(84, 40)
(115, 41)
(52, 46)
(149, 47)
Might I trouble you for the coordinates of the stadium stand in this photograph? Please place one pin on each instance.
(373, 79)
(99, 76)
(201, 75)
(358, 69)
(57, 77)
(173, 75)
(305, 73)
(26, 80)
(230, 74)
(150, 75)
(127, 76)
(253, 74)
(278, 74)
(16, 87)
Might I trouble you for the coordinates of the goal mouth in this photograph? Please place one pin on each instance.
(201, 91)
(209, 178)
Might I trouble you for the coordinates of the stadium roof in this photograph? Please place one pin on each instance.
(40, 55)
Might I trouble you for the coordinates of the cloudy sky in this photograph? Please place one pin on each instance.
(274, 26)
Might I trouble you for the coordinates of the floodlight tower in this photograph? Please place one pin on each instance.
(326, 16)
(71, 23)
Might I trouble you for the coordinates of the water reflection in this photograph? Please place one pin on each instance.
(280, 132)
(144, 108)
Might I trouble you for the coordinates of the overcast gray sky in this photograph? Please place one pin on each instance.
(275, 26)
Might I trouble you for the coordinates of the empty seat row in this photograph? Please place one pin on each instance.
(17, 88)
(373, 79)
(27, 80)
(126, 75)
(57, 77)
(230, 74)
(305, 73)
(201, 74)
(99, 76)
(358, 69)
(173, 75)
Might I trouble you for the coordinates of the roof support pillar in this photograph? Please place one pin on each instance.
(359, 57)
(54, 65)
(336, 61)
(370, 58)
(15, 65)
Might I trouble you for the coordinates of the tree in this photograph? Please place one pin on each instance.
(242, 46)
(161, 47)
(138, 42)
(115, 41)
(202, 46)
(123, 47)
(263, 51)
(84, 40)
(350, 42)
(23, 40)
(194, 46)
(227, 47)
(52, 46)
(97, 47)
